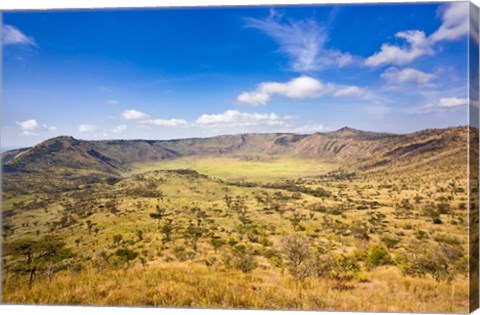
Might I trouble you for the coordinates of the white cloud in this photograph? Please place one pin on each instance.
(87, 128)
(310, 128)
(132, 114)
(454, 25)
(455, 21)
(32, 127)
(166, 122)
(453, 102)
(112, 102)
(120, 128)
(28, 125)
(441, 105)
(235, 118)
(417, 46)
(253, 98)
(407, 75)
(298, 88)
(302, 41)
(349, 91)
(13, 36)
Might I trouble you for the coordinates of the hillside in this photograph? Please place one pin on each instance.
(67, 162)
(220, 222)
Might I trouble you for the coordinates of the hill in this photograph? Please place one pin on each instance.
(335, 220)
(65, 162)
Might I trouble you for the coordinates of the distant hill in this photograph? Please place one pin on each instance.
(65, 162)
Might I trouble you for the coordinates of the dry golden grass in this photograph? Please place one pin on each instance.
(191, 285)
(169, 280)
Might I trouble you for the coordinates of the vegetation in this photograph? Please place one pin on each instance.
(249, 230)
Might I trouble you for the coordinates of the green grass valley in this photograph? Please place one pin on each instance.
(345, 220)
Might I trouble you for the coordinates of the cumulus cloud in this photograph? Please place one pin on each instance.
(441, 105)
(304, 42)
(166, 122)
(407, 75)
(453, 102)
(235, 118)
(120, 128)
(310, 128)
(87, 128)
(454, 25)
(417, 45)
(32, 127)
(234, 121)
(132, 114)
(298, 88)
(13, 36)
(454, 22)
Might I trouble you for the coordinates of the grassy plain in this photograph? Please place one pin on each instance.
(230, 232)
(261, 169)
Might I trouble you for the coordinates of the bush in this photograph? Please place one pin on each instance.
(390, 242)
(441, 261)
(125, 255)
(297, 252)
(240, 259)
(377, 256)
(345, 268)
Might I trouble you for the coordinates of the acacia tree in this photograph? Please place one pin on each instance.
(192, 234)
(37, 255)
(298, 254)
(159, 214)
(242, 210)
(167, 229)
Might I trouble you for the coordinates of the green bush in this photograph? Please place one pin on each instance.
(441, 261)
(125, 255)
(377, 256)
(345, 268)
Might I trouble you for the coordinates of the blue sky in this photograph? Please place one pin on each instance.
(176, 73)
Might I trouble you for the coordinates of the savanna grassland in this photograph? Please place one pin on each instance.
(348, 220)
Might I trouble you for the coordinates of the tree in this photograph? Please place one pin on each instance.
(39, 255)
(242, 260)
(217, 242)
(125, 255)
(193, 233)
(159, 214)
(441, 261)
(167, 229)
(241, 209)
(228, 201)
(295, 220)
(297, 252)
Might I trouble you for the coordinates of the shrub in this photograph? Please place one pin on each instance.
(297, 252)
(125, 255)
(390, 242)
(441, 261)
(240, 259)
(377, 256)
(345, 268)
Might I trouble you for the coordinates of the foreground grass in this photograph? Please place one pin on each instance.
(360, 212)
(189, 285)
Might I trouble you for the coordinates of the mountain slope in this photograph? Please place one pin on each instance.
(67, 162)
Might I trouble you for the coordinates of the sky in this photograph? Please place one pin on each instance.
(177, 73)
